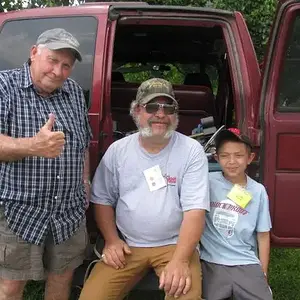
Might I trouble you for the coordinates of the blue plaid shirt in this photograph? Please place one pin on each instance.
(43, 196)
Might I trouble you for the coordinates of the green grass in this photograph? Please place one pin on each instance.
(284, 274)
(284, 278)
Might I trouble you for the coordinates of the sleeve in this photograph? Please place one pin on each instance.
(264, 219)
(195, 185)
(104, 187)
(4, 107)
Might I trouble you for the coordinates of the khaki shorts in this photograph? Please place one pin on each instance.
(20, 260)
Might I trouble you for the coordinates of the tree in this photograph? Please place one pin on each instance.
(258, 14)
(8, 5)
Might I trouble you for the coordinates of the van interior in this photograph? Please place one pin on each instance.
(193, 58)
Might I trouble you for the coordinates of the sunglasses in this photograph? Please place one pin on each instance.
(168, 109)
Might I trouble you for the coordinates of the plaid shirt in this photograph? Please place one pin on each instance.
(43, 196)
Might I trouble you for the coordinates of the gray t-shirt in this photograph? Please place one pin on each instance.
(145, 218)
(229, 237)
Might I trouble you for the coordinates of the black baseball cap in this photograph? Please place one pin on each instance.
(234, 135)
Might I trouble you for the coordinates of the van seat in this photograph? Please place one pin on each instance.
(195, 102)
(198, 79)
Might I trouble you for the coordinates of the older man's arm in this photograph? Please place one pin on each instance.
(12, 149)
(115, 249)
(176, 277)
(45, 143)
(104, 197)
(190, 233)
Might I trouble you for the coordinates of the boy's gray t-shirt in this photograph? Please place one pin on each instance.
(151, 219)
(230, 233)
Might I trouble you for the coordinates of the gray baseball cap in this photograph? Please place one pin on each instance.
(58, 38)
(153, 88)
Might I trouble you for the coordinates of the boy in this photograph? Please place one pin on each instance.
(237, 224)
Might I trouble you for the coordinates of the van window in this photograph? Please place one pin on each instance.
(289, 96)
(17, 37)
(192, 58)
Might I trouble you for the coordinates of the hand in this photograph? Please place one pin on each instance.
(176, 278)
(266, 277)
(114, 253)
(47, 143)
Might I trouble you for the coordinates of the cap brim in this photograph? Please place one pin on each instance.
(57, 46)
(155, 95)
(230, 136)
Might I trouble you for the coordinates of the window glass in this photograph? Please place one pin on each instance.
(18, 36)
(289, 84)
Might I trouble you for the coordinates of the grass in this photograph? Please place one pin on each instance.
(284, 278)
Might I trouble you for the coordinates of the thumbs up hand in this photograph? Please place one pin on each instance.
(48, 143)
(50, 122)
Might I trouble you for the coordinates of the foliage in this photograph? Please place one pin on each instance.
(258, 14)
(8, 5)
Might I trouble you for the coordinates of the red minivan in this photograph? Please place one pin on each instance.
(209, 57)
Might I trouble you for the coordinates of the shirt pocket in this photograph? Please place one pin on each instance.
(74, 136)
(25, 120)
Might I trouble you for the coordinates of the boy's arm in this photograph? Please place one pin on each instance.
(263, 231)
(263, 239)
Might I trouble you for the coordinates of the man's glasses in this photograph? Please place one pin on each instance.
(168, 109)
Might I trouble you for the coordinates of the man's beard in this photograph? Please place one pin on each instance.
(147, 132)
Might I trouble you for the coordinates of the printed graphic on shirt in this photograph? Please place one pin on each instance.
(225, 217)
(170, 180)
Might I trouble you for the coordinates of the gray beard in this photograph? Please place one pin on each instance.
(146, 132)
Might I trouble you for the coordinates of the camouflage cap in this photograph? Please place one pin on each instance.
(58, 38)
(153, 88)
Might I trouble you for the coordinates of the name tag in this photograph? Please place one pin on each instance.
(239, 196)
(154, 178)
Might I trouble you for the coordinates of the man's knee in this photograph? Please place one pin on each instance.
(11, 287)
(58, 282)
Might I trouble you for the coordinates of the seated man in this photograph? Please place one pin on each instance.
(153, 187)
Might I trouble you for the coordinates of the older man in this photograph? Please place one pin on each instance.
(44, 164)
(153, 187)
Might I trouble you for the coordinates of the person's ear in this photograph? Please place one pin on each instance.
(216, 157)
(33, 52)
(251, 157)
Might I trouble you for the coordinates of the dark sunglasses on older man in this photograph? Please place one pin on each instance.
(168, 109)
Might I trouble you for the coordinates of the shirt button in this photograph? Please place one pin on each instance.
(45, 227)
(55, 197)
(58, 177)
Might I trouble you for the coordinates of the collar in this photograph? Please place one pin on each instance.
(25, 80)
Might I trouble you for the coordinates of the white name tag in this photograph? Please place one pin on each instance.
(154, 178)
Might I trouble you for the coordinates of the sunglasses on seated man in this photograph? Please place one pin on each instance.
(168, 109)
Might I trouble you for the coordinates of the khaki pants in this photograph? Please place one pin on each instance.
(107, 283)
